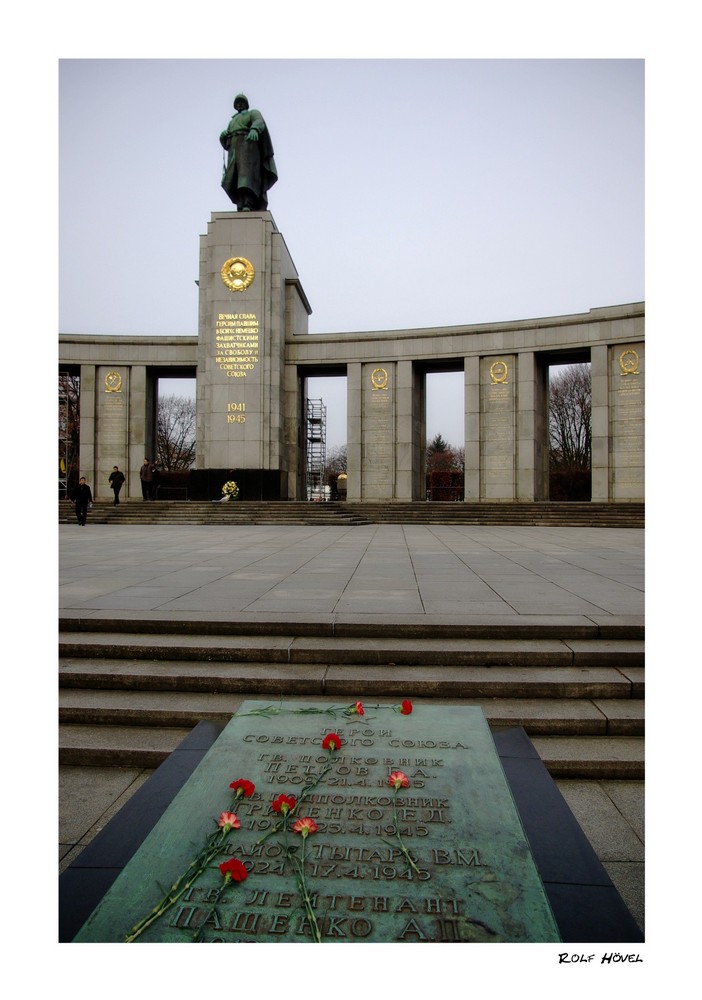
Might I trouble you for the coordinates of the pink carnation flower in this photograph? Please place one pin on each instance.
(305, 826)
(398, 779)
(229, 821)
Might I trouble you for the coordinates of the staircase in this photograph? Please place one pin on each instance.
(585, 515)
(602, 515)
(131, 690)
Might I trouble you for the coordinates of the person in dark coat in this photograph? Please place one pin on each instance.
(116, 482)
(146, 474)
(82, 498)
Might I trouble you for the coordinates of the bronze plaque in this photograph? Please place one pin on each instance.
(388, 826)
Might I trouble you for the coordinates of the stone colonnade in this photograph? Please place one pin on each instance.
(253, 353)
(506, 427)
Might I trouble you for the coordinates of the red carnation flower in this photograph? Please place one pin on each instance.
(243, 787)
(233, 870)
(283, 804)
(332, 741)
(358, 708)
(406, 707)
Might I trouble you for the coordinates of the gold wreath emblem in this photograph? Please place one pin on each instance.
(498, 372)
(237, 273)
(113, 382)
(379, 378)
(629, 363)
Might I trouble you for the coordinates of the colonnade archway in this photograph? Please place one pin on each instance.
(568, 424)
(442, 394)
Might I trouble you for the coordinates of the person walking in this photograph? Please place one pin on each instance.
(146, 474)
(155, 472)
(116, 482)
(82, 498)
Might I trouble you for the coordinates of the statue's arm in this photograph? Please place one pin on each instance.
(256, 126)
(225, 139)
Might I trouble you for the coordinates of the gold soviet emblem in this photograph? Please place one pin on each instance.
(237, 273)
(629, 363)
(379, 378)
(113, 382)
(498, 372)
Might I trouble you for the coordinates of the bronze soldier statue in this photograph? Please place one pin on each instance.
(250, 169)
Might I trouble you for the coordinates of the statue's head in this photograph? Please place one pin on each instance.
(241, 102)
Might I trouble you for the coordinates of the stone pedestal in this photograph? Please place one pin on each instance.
(249, 297)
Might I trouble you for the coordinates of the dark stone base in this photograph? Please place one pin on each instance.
(254, 484)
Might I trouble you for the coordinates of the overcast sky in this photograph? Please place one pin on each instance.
(411, 193)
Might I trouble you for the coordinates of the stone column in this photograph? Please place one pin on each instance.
(405, 431)
(294, 446)
(112, 415)
(354, 450)
(497, 427)
(419, 435)
(378, 432)
(627, 369)
(87, 424)
(471, 394)
(532, 429)
(139, 428)
(599, 424)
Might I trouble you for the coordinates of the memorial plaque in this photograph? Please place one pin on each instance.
(378, 440)
(498, 428)
(401, 828)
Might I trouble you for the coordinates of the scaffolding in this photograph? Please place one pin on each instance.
(316, 436)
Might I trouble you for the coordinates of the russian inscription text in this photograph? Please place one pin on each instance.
(436, 855)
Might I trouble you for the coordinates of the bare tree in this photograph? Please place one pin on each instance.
(334, 466)
(69, 430)
(569, 412)
(336, 461)
(175, 435)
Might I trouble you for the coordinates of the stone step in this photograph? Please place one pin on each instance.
(356, 650)
(118, 746)
(617, 758)
(351, 681)
(159, 709)
(566, 514)
(340, 626)
(136, 511)
(186, 512)
(591, 757)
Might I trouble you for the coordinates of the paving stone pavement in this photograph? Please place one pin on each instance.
(416, 570)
